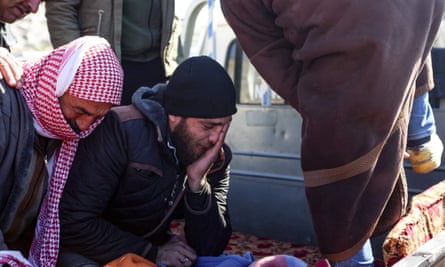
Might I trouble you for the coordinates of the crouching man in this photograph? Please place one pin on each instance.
(163, 157)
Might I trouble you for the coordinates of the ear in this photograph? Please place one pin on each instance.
(173, 120)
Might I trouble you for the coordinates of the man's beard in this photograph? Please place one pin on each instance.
(74, 126)
(183, 143)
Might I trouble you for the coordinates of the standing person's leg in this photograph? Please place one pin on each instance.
(363, 258)
(137, 74)
(421, 124)
(424, 146)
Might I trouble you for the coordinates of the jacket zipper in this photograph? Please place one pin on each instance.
(100, 13)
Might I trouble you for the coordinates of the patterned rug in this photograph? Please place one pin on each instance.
(260, 247)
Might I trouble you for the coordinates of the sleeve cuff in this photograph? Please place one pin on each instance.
(150, 252)
(198, 202)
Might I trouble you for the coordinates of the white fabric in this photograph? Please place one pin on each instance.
(71, 62)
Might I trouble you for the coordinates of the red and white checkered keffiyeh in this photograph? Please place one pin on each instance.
(86, 68)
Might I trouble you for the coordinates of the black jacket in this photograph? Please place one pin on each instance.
(124, 180)
(22, 171)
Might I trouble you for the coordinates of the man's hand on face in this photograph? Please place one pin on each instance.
(10, 69)
(197, 171)
(176, 253)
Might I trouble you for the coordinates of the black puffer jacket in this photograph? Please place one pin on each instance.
(123, 182)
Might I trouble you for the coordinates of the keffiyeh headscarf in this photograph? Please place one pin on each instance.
(86, 68)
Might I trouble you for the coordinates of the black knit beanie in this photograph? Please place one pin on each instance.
(200, 88)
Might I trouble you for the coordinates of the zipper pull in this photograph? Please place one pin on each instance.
(100, 13)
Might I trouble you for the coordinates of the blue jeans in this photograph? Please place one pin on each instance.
(363, 258)
(421, 122)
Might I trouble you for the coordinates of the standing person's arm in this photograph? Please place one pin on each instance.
(63, 20)
(264, 43)
(10, 69)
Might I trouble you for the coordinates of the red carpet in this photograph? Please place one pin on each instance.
(261, 247)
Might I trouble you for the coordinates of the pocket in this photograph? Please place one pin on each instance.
(139, 177)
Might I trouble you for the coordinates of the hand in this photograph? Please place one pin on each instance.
(10, 69)
(13, 258)
(406, 155)
(176, 253)
(197, 171)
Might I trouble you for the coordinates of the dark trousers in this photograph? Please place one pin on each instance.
(71, 259)
(137, 74)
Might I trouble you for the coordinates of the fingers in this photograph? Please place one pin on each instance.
(186, 261)
(214, 151)
(185, 251)
(176, 253)
(225, 128)
(179, 260)
(222, 136)
(10, 68)
(406, 155)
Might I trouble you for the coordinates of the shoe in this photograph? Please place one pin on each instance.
(426, 157)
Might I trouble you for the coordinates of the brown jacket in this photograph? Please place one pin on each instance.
(350, 68)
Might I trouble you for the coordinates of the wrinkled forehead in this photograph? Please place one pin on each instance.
(88, 107)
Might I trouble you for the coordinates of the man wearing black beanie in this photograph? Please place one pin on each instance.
(161, 158)
(198, 88)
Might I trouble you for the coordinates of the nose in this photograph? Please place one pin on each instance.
(33, 5)
(85, 122)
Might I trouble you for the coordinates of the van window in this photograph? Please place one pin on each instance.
(251, 88)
